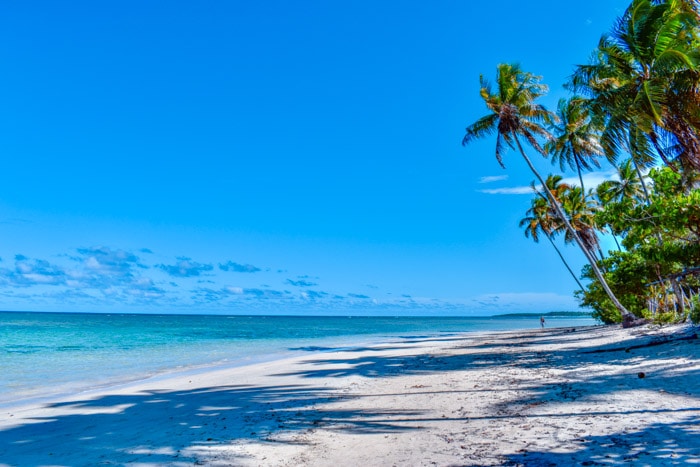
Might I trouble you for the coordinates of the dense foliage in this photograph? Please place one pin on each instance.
(655, 273)
(636, 105)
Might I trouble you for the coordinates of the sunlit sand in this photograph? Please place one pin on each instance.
(558, 396)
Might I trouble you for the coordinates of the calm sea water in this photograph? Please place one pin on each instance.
(45, 354)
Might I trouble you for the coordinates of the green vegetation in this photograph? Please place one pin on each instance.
(636, 106)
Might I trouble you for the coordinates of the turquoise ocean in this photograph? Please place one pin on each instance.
(48, 354)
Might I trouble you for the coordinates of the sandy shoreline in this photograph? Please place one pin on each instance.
(540, 397)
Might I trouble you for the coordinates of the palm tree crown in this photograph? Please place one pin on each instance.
(627, 187)
(513, 111)
(637, 73)
(575, 143)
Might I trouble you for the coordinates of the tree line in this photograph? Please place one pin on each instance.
(636, 106)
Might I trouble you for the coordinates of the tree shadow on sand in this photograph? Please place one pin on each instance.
(671, 444)
(678, 446)
(193, 426)
(659, 373)
(519, 354)
(166, 427)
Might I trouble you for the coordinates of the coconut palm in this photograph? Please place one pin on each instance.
(682, 119)
(581, 209)
(627, 189)
(557, 187)
(514, 115)
(628, 185)
(575, 143)
(555, 183)
(635, 72)
(539, 219)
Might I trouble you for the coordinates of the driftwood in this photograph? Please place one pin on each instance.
(652, 343)
(632, 322)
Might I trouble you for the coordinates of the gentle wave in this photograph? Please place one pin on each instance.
(44, 354)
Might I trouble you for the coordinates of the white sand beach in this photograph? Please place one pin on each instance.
(587, 396)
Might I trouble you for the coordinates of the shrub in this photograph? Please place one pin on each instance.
(695, 310)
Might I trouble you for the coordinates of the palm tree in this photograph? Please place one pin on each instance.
(538, 219)
(514, 114)
(682, 119)
(637, 74)
(556, 185)
(575, 143)
(581, 209)
(627, 187)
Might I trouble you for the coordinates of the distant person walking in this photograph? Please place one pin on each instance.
(542, 321)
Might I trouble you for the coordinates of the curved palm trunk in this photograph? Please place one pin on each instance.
(551, 240)
(641, 180)
(617, 243)
(619, 248)
(583, 197)
(580, 175)
(600, 252)
(626, 315)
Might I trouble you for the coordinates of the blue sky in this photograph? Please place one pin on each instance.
(273, 157)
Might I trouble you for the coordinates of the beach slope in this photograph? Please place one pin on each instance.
(596, 395)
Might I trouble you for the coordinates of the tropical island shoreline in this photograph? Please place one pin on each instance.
(590, 395)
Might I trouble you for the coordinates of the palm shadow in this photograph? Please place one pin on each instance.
(197, 423)
(133, 428)
(678, 446)
(489, 352)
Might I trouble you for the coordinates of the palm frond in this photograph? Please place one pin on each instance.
(649, 99)
(499, 150)
(483, 127)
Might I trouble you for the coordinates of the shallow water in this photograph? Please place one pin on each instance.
(44, 354)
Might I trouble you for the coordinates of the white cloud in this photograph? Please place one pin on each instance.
(591, 180)
(105, 260)
(23, 268)
(516, 190)
(185, 267)
(39, 278)
(493, 178)
(92, 263)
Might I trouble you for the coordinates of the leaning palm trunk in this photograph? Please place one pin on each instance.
(647, 197)
(551, 240)
(580, 178)
(617, 243)
(626, 314)
(550, 236)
